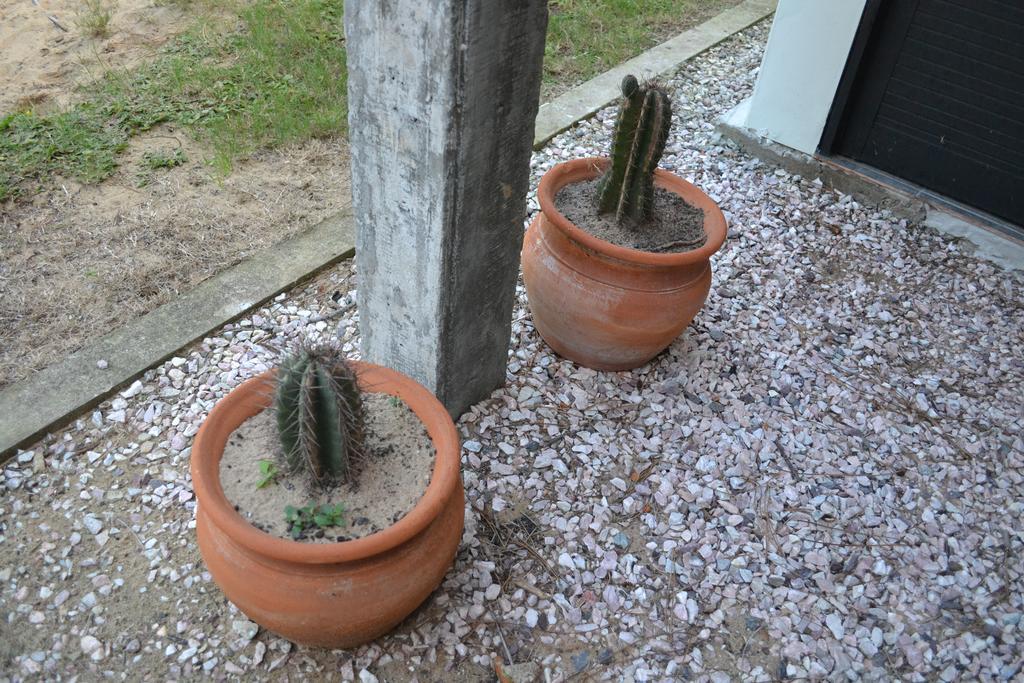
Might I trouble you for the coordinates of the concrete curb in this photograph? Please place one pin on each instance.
(813, 167)
(917, 207)
(57, 394)
(586, 100)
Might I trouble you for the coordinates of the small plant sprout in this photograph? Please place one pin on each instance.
(157, 160)
(320, 417)
(94, 17)
(301, 520)
(268, 471)
(641, 130)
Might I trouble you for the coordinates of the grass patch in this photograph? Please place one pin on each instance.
(277, 75)
(588, 37)
(278, 78)
(157, 160)
(79, 143)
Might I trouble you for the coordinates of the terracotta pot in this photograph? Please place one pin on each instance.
(335, 595)
(604, 306)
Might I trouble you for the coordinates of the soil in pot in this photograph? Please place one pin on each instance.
(397, 471)
(675, 226)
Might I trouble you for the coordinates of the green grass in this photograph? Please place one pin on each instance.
(77, 143)
(279, 78)
(588, 37)
(157, 160)
(277, 75)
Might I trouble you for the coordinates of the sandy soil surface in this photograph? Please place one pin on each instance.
(41, 64)
(398, 465)
(673, 226)
(80, 260)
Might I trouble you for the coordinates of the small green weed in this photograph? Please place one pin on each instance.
(94, 16)
(301, 520)
(157, 160)
(395, 401)
(268, 472)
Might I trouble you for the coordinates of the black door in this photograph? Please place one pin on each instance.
(937, 97)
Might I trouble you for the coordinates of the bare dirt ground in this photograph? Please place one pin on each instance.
(41, 64)
(81, 260)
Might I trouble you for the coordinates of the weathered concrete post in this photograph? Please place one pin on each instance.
(442, 100)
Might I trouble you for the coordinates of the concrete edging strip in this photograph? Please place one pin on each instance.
(58, 393)
(587, 99)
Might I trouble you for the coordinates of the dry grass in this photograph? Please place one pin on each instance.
(82, 260)
(93, 17)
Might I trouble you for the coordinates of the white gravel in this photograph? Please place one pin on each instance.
(823, 478)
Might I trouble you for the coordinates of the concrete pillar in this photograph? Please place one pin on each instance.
(442, 100)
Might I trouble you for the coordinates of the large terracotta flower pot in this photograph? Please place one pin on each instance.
(335, 595)
(604, 306)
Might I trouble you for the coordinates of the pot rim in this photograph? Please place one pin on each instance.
(587, 168)
(246, 398)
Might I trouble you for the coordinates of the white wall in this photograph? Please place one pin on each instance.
(801, 68)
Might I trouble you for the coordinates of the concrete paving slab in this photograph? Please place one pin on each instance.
(992, 245)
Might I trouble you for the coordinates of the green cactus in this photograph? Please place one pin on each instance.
(627, 188)
(320, 418)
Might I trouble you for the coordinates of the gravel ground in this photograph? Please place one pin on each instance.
(821, 479)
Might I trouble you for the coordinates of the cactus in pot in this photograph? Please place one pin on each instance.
(320, 416)
(341, 588)
(641, 130)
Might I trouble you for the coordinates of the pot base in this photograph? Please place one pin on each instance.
(305, 604)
